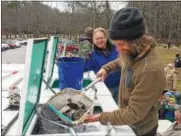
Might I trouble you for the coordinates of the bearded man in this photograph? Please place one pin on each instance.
(142, 80)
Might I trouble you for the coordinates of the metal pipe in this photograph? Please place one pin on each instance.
(92, 84)
(48, 86)
(72, 132)
(6, 128)
(83, 117)
(13, 86)
(109, 128)
(8, 75)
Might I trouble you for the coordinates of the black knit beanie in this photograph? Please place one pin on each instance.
(127, 24)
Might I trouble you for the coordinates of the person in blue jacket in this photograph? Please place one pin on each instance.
(104, 52)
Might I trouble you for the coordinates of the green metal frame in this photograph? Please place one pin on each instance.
(51, 60)
(34, 67)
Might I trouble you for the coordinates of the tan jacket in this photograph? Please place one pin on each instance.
(140, 88)
(171, 78)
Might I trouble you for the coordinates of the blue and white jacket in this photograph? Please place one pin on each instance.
(99, 58)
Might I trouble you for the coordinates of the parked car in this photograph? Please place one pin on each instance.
(17, 43)
(4, 46)
(21, 41)
(71, 46)
(11, 45)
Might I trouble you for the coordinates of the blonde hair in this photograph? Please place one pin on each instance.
(143, 44)
(145, 41)
(100, 29)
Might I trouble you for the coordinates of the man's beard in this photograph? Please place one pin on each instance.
(127, 58)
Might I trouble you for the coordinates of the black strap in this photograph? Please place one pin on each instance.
(49, 86)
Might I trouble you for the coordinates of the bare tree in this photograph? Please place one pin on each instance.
(162, 19)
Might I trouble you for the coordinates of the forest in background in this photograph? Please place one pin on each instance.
(163, 19)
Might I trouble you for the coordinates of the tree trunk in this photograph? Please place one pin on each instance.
(7, 37)
(170, 31)
(18, 18)
(107, 14)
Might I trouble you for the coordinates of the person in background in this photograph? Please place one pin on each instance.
(171, 77)
(85, 44)
(142, 75)
(178, 115)
(170, 102)
(175, 128)
(177, 63)
(169, 44)
(104, 52)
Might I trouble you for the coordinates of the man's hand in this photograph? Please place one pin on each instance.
(92, 118)
(102, 73)
(69, 55)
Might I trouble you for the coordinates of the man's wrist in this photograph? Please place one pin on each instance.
(106, 69)
(98, 117)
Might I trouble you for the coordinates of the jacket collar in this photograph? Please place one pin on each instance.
(145, 52)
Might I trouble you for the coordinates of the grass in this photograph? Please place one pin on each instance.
(168, 56)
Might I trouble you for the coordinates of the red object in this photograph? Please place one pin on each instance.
(14, 72)
(71, 46)
(12, 45)
(10, 74)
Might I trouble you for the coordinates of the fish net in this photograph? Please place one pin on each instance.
(71, 103)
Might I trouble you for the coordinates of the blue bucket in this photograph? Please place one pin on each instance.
(70, 71)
